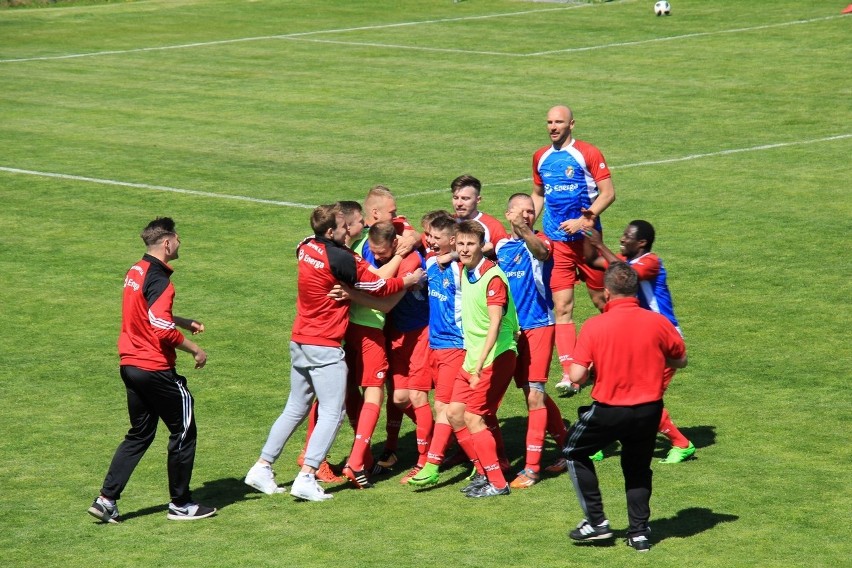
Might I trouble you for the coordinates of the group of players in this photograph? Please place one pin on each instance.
(462, 308)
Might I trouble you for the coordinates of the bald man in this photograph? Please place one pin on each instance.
(571, 188)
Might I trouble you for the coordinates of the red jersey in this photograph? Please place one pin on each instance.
(148, 334)
(321, 320)
(629, 346)
(494, 229)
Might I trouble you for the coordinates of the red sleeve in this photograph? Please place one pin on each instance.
(535, 160)
(647, 267)
(582, 353)
(497, 293)
(161, 319)
(594, 160)
(409, 264)
(547, 242)
(372, 283)
(401, 225)
(673, 344)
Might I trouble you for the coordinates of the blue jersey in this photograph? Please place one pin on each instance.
(529, 281)
(412, 311)
(569, 178)
(445, 329)
(654, 292)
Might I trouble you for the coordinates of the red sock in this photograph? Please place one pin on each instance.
(670, 431)
(486, 451)
(440, 441)
(410, 412)
(366, 426)
(423, 432)
(566, 339)
(555, 424)
(392, 426)
(535, 437)
(464, 440)
(494, 427)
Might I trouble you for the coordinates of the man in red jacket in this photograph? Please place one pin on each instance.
(630, 347)
(318, 363)
(149, 337)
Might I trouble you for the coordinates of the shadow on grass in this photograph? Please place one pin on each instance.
(688, 522)
(218, 493)
(700, 436)
(144, 512)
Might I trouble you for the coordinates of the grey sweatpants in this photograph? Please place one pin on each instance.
(316, 371)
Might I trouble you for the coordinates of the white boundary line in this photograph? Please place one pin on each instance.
(156, 187)
(659, 162)
(400, 196)
(303, 36)
(293, 35)
(566, 50)
(684, 36)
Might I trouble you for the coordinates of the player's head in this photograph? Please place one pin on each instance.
(466, 196)
(426, 220)
(382, 240)
(620, 281)
(426, 224)
(328, 221)
(638, 238)
(470, 236)
(160, 235)
(442, 233)
(354, 216)
(379, 205)
(521, 203)
(560, 123)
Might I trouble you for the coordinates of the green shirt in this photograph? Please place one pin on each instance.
(475, 320)
(362, 315)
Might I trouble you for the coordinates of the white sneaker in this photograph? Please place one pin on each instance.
(566, 388)
(262, 478)
(305, 487)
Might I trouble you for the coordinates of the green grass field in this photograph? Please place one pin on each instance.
(727, 125)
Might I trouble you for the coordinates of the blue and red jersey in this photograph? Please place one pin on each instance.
(529, 281)
(412, 311)
(445, 329)
(654, 291)
(569, 178)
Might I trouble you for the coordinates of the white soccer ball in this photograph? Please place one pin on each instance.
(662, 9)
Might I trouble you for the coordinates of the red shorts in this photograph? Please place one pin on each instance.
(365, 355)
(535, 352)
(569, 265)
(445, 364)
(408, 354)
(485, 398)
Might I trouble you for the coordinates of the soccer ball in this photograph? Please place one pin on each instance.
(662, 9)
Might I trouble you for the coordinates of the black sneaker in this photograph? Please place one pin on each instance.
(586, 531)
(385, 463)
(639, 543)
(488, 490)
(358, 478)
(104, 511)
(189, 512)
(477, 482)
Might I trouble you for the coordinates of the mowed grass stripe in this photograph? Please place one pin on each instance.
(303, 36)
(400, 195)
